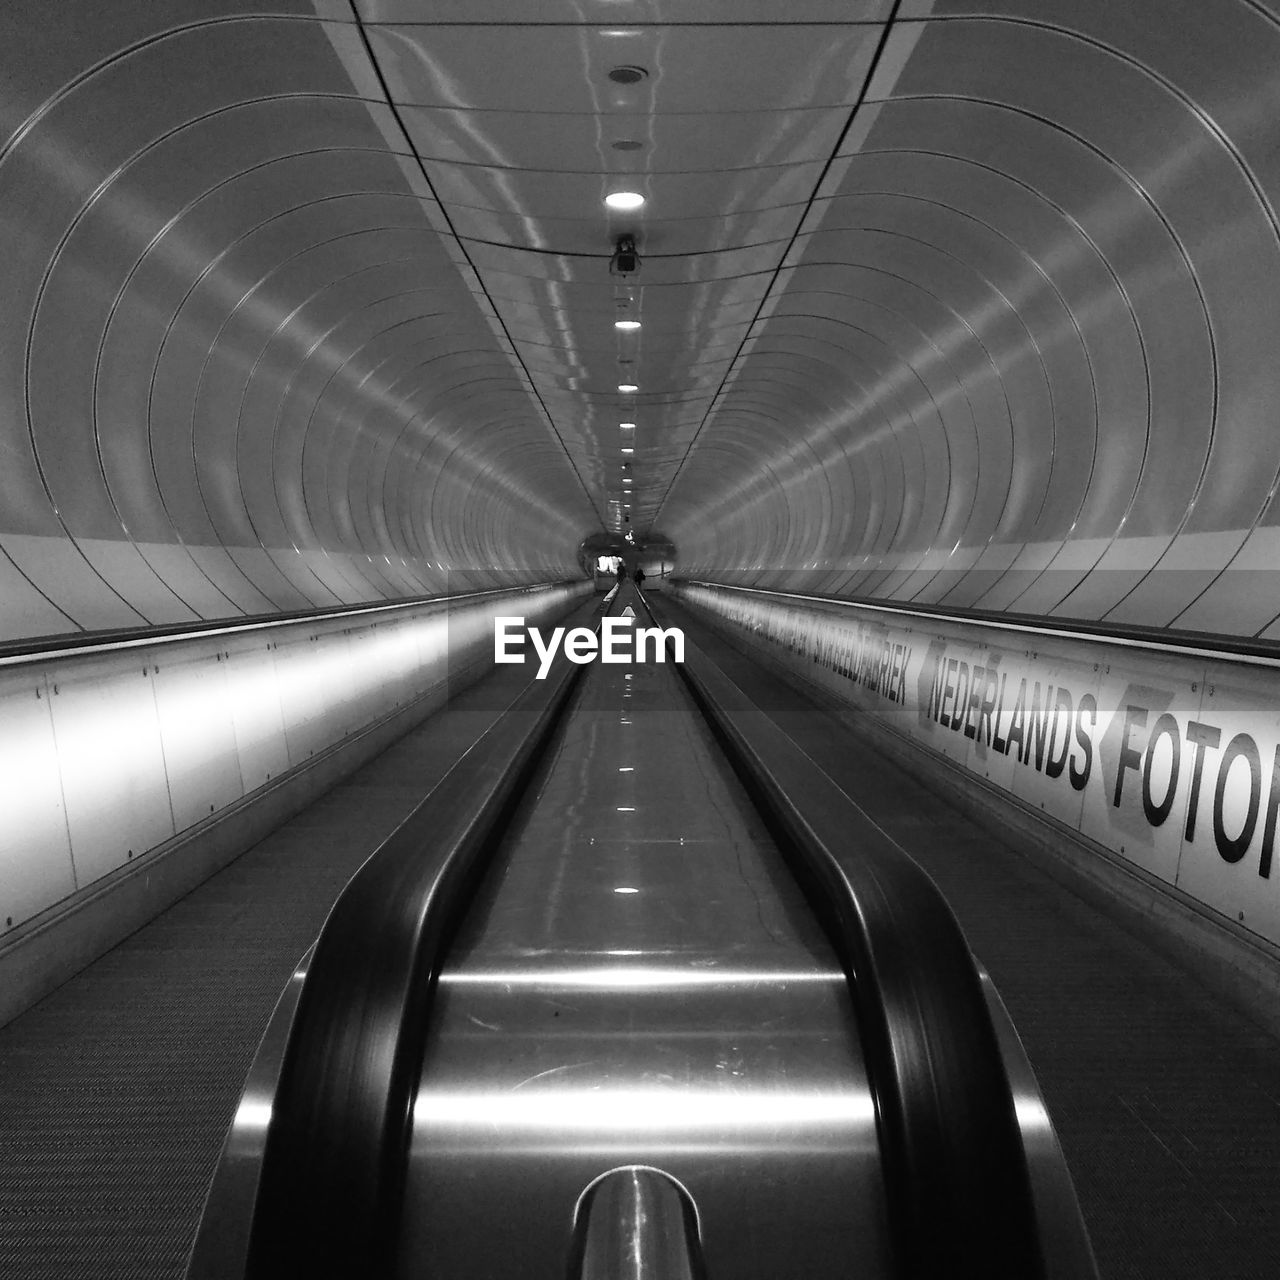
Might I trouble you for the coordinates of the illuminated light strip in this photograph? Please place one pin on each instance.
(1127, 642)
(684, 1111)
(639, 977)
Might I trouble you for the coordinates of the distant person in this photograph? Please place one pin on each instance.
(622, 573)
(638, 576)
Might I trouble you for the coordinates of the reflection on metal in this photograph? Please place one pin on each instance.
(636, 977)
(636, 1223)
(700, 1025)
(676, 1118)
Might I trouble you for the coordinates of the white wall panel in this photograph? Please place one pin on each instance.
(110, 760)
(253, 698)
(314, 680)
(197, 731)
(35, 849)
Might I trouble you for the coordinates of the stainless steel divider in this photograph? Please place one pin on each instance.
(636, 1223)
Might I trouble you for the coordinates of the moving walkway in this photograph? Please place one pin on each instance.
(636, 990)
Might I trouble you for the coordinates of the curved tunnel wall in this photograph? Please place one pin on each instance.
(1018, 355)
(241, 372)
(1022, 354)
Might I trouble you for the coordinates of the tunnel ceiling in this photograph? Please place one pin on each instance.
(968, 304)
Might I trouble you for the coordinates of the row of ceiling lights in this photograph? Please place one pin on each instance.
(626, 202)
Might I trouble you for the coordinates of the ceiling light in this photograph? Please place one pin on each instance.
(627, 326)
(626, 426)
(628, 386)
(625, 480)
(627, 449)
(624, 200)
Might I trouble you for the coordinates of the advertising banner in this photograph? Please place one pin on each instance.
(1171, 760)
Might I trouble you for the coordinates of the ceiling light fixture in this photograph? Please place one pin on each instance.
(628, 386)
(626, 426)
(627, 326)
(624, 200)
(627, 449)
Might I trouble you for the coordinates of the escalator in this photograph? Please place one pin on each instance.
(637, 990)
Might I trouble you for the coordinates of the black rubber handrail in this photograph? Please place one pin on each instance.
(331, 1187)
(956, 1179)
(67, 645)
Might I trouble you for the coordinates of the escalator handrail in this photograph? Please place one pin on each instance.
(958, 1188)
(331, 1185)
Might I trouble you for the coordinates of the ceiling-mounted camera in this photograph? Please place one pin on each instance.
(625, 260)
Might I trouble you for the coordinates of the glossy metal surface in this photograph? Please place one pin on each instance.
(636, 1224)
(640, 981)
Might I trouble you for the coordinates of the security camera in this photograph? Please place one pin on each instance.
(625, 260)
